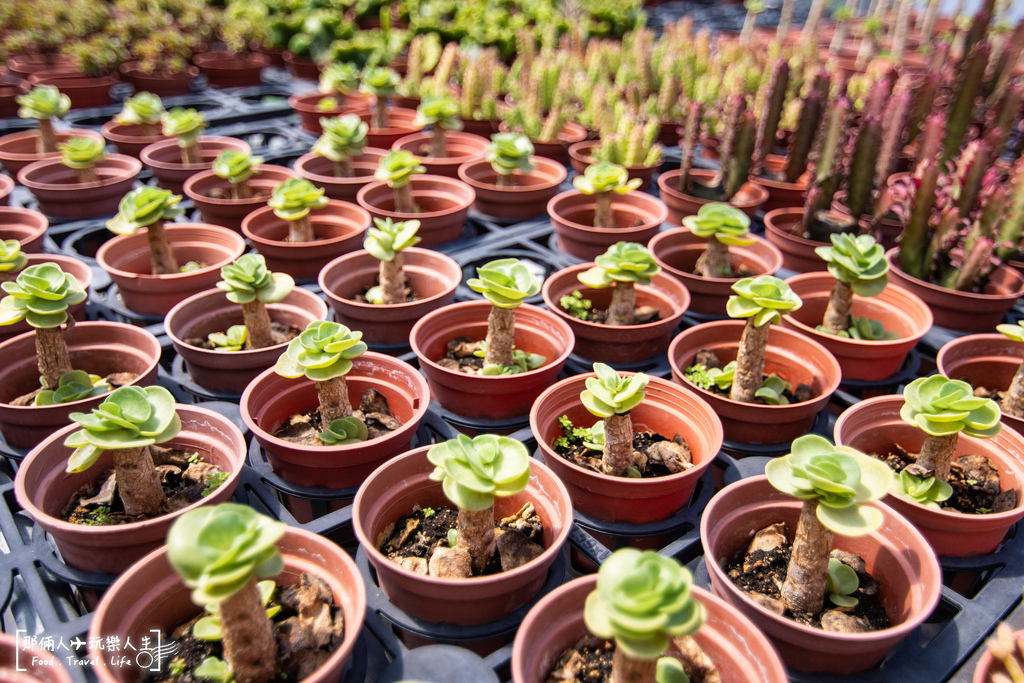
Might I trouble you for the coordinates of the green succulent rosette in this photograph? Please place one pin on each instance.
(236, 166)
(43, 102)
(510, 152)
(858, 261)
(344, 431)
(295, 198)
(342, 78)
(247, 280)
(144, 206)
(11, 257)
(941, 406)
(474, 471)
(505, 282)
(142, 108)
(232, 340)
(73, 386)
(397, 168)
(323, 351)
(605, 177)
(725, 223)
(82, 152)
(623, 262)
(391, 238)
(763, 298)
(928, 491)
(609, 394)
(40, 296)
(438, 111)
(184, 124)
(343, 137)
(380, 81)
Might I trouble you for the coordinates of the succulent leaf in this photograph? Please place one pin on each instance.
(610, 394)
(247, 279)
(439, 111)
(1014, 332)
(764, 298)
(389, 238)
(841, 583)
(505, 282)
(73, 386)
(857, 260)
(295, 198)
(144, 206)
(605, 177)
(941, 406)
(398, 167)
(341, 78)
(771, 391)
(82, 152)
(236, 166)
(40, 295)
(344, 431)
(185, 124)
(380, 81)
(43, 102)
(323, 351)
(11, 258)
(143, 108)
(622, 262)
(474, 471)
(510, 152)
(343, 137)
(925, 491)
(725, 223)
(232, 340)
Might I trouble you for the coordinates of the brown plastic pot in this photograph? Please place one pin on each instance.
(737, 649)
(100, 348)
(79, 270)
(984, 360)
(18, 150)
(896, 554)
(210, 311)
(898, 310)
(127, 260)
(963, 311)
(10, 88)
(229, 212)
(667, 409)
(432, 275)
(890, 228)
(270, 400)
(160, 83)
(43, 489)
(484, 128)
(301, 67)
(988, 665)
(60, 195)
(128, 139)
(797, 252)
(151, 595)
(874, 426)
(230, 70)
(639, 217)
(581, 156)
(401, 122)
(339, 227)
(6, 187)
(529, 197)
(443, 202)
(781, 195)
(462, 148)
(677, 251)
(397, 486)
(164, 159)
(709, 147)
(680, 205)
(320, 171)
(619, 343)
(559, 149)
(32, 664)
(28, 64)
(790, 355)
(310, 113)
(84, 91)
(25, 225)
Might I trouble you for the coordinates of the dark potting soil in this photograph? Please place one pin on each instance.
(459, 356)
(186, 479)
(412, 541)
(975, 482)
(706, 357)
(114, 379)
(654, 455)
(641, 316)
(281, 333)
(761, 573)
(590, 661)
(309, 628)
(304, 428)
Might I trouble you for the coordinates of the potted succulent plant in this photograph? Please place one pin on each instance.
(300, 230)
(588, 220)
(152, 279)
(161, 65)
(137, 125)
(336, 96)
(340, 162)
(43, 103)
(174, 161)
(444, 149)
(551, 132)
(627, 141)
(387, 125)
(13, 260)
(511, 183)
(237, 185)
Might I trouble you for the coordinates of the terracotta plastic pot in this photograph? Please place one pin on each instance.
(581, 155)
(84, 91)
(559, 149)
(897, 309)
(160, 83)
(32, 663)
(462, 148)
(43, 489)
(668, 409)
(735, 646)
(10, 88)
(270, 400)
(619, 343)
(128, 139)
(963, 311)
(896, 554)
(127, 260)
(432, 275)
(320, 172)
(797, 251)
(890, 227)
(874, 425)
(984, 360)
(18, 150)
(529, 196)
(25, 225)
(6, 187)
(498, 397)
(79, 270)
(164, 159)
(26, 65)
(709, 146)
(988, 664)
(229, 212)
(781, 194)
(443, 202)
(401, 122)
(310, 113)
(639, 217)
(210, 311)
(339, 227)
(485, 128)
(301, 67)
(100, 348)
(60, 195)
(677, 251)
(230, 70)
(790, 355)
(398, 485)
(749, 199)
(151, 595)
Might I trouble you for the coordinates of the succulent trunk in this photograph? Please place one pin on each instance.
(334, 402)
(380, 114)
(52, 355)
(931, 14)
(629, 669)
(604, 216)
(914, 240)
(86, 175)
(160, 252)
(476, 535)
(837, 313)
(190, 154)
(936, 457)
(839, 37)
(241, 190)
(392, 281)
(403, 199)
(868, 49)
(500, 336)
(804, 588)
(810, 28)
(738, 163)
(343, 168)
(714, 262)
(505, 180)
(623, 304)
(250, 646)
(47, 137)
(968, 86)
(1013, 397)
(750, 362)
(438, 148)
(300, 230)
(924, 99)
(618, 445)
(138, 482)
(258, 330)
(899, 36)
(747, 32)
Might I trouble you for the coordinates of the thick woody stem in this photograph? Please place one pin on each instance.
(618, 445)
(747, 32)
(403, 199)
(750, 362)
(47, 143)
(138, 482)
(380, 114)
(476, 535)
(160, 252)
(259, 334)
(241, 190)
(52, 355)
(837, 314)
(300, 230)
(392, 281)
(190, 154)
(627, 669)
(250, 646)
(1013, 398)
(147, 130)
(935, 458)
(804, 589)
(623, 304)
(343, 169)
(500, 336)
(86, 176)
(604, 216)
(334, 402)
(714, 262)
(438, 148)
(505, 180)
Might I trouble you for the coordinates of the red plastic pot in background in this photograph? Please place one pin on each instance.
(320, 172)
(60, 194)
(228, 212)
(638, 217)
(443, 203)
(749, 199)
(26, 226)
(781, 194)
(461, 148)
(558, 150)
(230, 70)
(128, 139)
(308, 108)
(84, 91)
(79, 270)
(301, 67)
(164, 159)
(581, 156)
(398, 485)
(401, 122)
(10, 88)
(18, 150)
(527, 198)
(988, 664)
(797, 251)
(896, 554)
(984, 360)
(160, 83)
(668, 409)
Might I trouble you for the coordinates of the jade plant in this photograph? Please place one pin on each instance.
(610, 396)
(40, 296)
(337, 82)
(602, 180)
(324, 352)
(927, 491)
(128, 422)
(1013, 397)
(722, 226)
(344, 431)
(442, 114)
(343, 138)
(81, 154)
(143, 110)
(73, 386)
(44, 103)
(641, 601)
(381, 82)
(247, 282)
(185, 125)
(505, 283)
(472, 472)
(396, 169)
(292, 201)
(221, 552)
(386, 242)
(858, 264)
(623, 265)
(835, 484)
(508, 153)
(12, 259)
(237, 166)
(148, 207)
